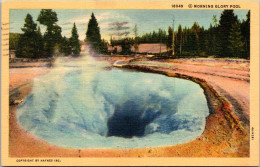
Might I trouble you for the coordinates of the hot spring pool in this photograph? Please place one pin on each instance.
(82, 106)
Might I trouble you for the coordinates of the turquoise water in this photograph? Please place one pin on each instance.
(81, 104)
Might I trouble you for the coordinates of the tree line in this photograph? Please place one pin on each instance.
(33, 44)
(228, 37)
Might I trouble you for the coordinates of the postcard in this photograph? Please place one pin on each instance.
(130, 83)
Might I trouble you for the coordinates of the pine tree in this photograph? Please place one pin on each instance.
(235, 39)
(202, 41)
(74, 40)
(245, 29)
(65, 46)
(169, 39)
(52, 36)
(40, 42)
(47, 17)
(194, 38)
(192, 41)
(215, 21)
(126, 47)
(178, 41)
(135, 30)
(226, 21)
(184, 39)
(103, 47)
(13, 40)
(93, 33)
(29, 41)
(211, 40)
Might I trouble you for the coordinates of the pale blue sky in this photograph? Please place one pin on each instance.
(146, 20)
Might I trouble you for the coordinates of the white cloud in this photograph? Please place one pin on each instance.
(104, 25)
(103, 16)
(108, 15)
(100, 17)
(80, 19)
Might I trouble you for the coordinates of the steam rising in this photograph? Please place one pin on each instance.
(81, 105)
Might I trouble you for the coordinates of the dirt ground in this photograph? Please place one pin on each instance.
(23, 73)
(226, 86)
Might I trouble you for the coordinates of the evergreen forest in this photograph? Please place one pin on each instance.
(226, 36)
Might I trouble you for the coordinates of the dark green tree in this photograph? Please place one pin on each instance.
(40, 42)
(227, 19)
(192, 42)
(126, 47)
(52, 36)
(93, 32)
(103, 47)
(13, 40)
(235, 40)
(29, 42)
(65, 46)
(194, 39)
(47, 17)
(211, 40)
(178, 42)
(202, 42)
(74, 40)
(135, 30)
(169, 39)
(215, 21)
(159, 36)
(245, 29)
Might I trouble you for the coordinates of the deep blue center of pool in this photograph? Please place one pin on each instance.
(78, 107)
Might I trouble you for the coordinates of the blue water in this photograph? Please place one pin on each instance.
(82, 105)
